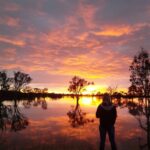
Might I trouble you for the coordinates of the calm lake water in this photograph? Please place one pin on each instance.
(58, 124)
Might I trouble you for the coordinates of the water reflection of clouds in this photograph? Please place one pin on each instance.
(49, 127)
(53, 130)
(57, 108)
(58, 127)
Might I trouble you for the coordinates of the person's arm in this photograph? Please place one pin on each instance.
(98, 112)
(115, 114)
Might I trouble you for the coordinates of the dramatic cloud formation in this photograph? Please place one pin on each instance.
(53, 40)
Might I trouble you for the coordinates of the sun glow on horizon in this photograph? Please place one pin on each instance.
(94, 89)
(91, 89)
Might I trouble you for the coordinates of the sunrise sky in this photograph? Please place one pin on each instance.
(53, 40)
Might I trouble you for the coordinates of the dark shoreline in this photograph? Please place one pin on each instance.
(11, 95)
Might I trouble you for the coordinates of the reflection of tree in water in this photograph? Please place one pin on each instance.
(36, 102)
(4, 116)
(135, 109)
(11, 118)
(141, 111)
(19, 121)
(77, 117)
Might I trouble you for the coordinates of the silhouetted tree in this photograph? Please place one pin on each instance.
(140, 85)
(111, 90)
(20, 80)
(140, 74)
(37, 90)
(5, 81)
(27, 89)
(132, 90)
(77, 86)
(45, 90)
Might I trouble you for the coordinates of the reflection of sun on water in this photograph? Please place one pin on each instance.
(87, 101)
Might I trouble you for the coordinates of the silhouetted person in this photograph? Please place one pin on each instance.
(107, 114)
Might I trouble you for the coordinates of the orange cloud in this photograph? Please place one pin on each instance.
(12, 41)
(91, 66)
(114, 31)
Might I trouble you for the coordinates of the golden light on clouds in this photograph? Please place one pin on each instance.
(93, 89)
(114, 31)
(55, 40)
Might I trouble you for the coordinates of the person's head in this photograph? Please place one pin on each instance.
(106, 99)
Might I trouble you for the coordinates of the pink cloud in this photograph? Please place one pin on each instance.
(114, 31)
(9, 21)
(12, 41)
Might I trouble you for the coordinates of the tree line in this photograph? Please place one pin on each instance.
(19, 82)
(15, 83)
(139, 79)
(140, 74)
